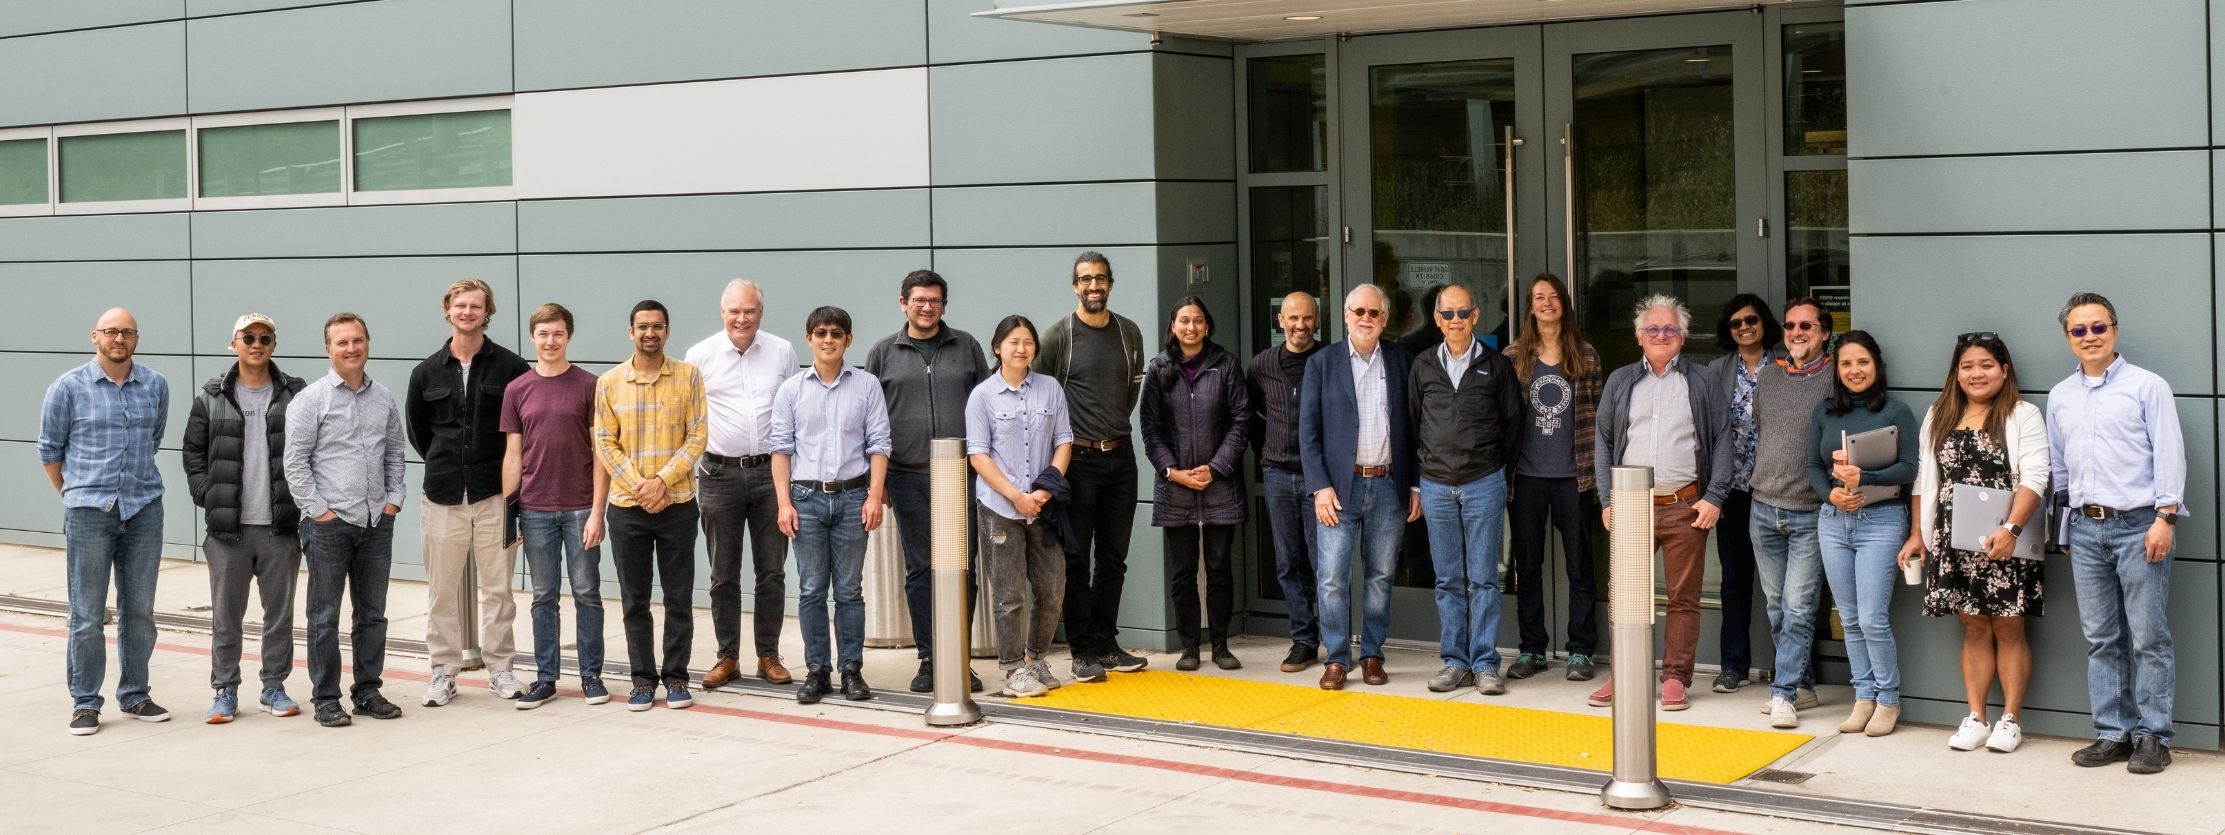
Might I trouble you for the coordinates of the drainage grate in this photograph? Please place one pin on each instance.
(1779, 775)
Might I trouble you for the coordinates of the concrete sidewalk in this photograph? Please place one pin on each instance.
(1912, 767)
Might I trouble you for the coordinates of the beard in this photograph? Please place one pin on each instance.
(1093, 305)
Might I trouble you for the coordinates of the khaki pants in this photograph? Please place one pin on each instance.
(454, 536)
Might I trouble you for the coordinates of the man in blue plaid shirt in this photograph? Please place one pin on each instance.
(98, 431)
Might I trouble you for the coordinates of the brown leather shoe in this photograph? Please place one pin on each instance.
(1332, 676)
(1371, 671)
(769, 669)
(720, 673)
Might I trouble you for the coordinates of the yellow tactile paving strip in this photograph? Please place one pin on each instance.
(1577, 740)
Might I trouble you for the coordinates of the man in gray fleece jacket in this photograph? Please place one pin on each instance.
(1786, 555)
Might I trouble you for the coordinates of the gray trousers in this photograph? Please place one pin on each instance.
(272, 561)
(1020, 566)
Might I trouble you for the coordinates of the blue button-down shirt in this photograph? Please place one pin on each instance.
(344, 450)
(105, 436)
(2116, 442)
(1020, 429)
(829, 432)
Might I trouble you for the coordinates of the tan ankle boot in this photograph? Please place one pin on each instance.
(1859, 719)
(1884, 720)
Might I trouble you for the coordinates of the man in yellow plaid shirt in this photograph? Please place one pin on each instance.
(649, 430)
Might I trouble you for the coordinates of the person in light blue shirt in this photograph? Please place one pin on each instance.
(1017, 429)
(98, 430)
(2115, 447)
(830, 447)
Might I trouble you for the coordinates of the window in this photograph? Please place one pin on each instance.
(1288, 111)
(22, 172)
(269, 159)
(433, 150)
(1815, 88)
(114, 167)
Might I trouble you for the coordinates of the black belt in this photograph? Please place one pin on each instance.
(745, 462)
(2099, 513)
(1100, 446)
(836, 486)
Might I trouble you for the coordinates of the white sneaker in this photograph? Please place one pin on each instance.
(2007, 735)
(1782, 714)
(504, 685)
(1021, 683)
(1972, 732)
(441, 689)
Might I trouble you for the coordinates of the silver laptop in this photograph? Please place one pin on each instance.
(1875, 450)
(1979, 511)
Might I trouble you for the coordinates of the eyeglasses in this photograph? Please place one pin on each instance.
(828, 333)
(117, 333)
(1461, 314)
(258, 339)
(924, 302)
(1975, 337)
(2082, 331)
(1365, 312)
(1661, 331)
(650, 327)
(1092, 280)
(1745, 321)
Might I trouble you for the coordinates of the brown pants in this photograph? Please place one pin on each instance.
(1684, 558)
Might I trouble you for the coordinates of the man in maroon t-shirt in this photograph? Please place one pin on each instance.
(557, 492)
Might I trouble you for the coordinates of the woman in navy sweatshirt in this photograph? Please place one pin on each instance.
(1861, 530)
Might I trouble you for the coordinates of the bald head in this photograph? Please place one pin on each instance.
(116, 338)
(1298, 317)
(1456, 317)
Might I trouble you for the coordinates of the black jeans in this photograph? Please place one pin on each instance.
(1187, 545)
(1734, 548)
(1536, 503)
(909, 495)
(1103, 514)
(355, 561)
(649, 547)
(733, 498)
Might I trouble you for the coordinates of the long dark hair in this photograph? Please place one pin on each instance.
(1572, 342)
(1947, 410)
(1772, 333)
(1005, 327)
(1843, 401)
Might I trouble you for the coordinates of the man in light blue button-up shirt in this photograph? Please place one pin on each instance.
(2113, 432)
(98, 430)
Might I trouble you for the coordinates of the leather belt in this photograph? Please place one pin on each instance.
(2099, 513)
(1100, 446)
(1371, 472)
(1685, 494)
(745, 462)
(836, 486)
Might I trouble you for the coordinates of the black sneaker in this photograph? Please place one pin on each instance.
(814, 687)
(853, 684)
(2149, 756)
(147, 711)
(2102, 752)
(84, 721)
(1301, 656)
(376, 706)
(1119, 661)
(1188, 661)
(1525, 665)
(536, 694)
(1225, 659)
(924, 681)
(974, 681)
(1728, 681)
(1579, 667)
(330, 715)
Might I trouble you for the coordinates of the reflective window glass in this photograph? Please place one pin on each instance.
(433, 150)
(1290, 251)
(1288, 113)
(1815, 88)
(1816, 262)
(291, 158)
(123, 166)
(22, 172)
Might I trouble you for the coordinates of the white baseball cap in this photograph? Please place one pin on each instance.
(242, 322)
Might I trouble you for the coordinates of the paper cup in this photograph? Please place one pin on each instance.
(1913, 572)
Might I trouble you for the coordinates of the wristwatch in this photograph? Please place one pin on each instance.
(2013, 528)
(2171, 519)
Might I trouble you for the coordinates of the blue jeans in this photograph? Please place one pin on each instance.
(553, 550)
(1465, 522)
(343, 558)
(1791, 572)
(830, 542)
(2130, 671)
(1290, 521)
(1371, 527)
(100, 543)
(1860, 559)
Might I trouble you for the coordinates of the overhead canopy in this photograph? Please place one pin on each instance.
(1272, 20)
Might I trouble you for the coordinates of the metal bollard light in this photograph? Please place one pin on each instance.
(952, 652)
(1630, 615)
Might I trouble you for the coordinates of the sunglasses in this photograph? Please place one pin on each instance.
(258, 339)
(1803, 326)
(1660, 331)
(1365, 312)
(1745, 321)
(2082, 331)
(828, 333)
(1461, 314)
(1975, 337)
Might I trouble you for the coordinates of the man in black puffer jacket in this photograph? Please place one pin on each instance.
(234, 457)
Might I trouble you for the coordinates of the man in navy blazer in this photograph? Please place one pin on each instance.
(1356, 446)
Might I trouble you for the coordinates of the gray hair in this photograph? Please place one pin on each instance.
(1354, 294)
(1661, 300)
(2078, 300)
(738, 285)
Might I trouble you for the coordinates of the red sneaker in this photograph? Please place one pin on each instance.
(1602, 697)
(1672, 695)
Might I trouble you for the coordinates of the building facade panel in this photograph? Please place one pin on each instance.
(1043, 121)
(566, 43)
(72, 295)
(125, 72)
(398, 297)
(94, 237)
(429, 229)
(2140, 191)
(26, 17)
(355, 52)
(896, 218)
(1195, 108)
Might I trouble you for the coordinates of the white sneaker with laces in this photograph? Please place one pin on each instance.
(1021, 683)
(1967, 737)
(2007, 735)
(1782, 714)
(441, 689)
(504, 685)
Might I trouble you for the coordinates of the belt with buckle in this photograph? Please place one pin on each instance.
(1685, 494)
(2100, 513)
(1371, 472)
(835, 486)
(1100, 446)
(745, 462)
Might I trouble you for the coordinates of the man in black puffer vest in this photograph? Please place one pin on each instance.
(234, 457)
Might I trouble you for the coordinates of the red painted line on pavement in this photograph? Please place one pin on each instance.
(1306, 784)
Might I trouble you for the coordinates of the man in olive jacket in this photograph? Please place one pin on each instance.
(235, 450)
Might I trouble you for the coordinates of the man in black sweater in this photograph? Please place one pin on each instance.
(1276, 376)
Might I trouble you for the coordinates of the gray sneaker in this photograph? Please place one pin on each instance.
(1088, 670)
(1042, 671)
(1021, 683)
(1489, 683)
(1449, 679)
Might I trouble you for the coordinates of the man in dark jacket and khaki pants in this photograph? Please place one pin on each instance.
(235, 444)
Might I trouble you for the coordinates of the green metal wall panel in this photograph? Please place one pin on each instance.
(71, 296)
(127, 72)
(361, 52)
(207, 8)
(398, 297)
(564, 44)
(429, 229)
(794, 220)
(23, 17)
(1047, 121)
(1194, 117)
(2127, 191)
(90, 237)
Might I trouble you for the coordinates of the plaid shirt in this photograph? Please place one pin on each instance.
(650, 425)
(1587, 415)
(105, 436)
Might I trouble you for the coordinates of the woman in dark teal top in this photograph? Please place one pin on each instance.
(1861, 534)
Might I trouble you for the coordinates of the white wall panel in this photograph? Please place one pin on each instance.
(834, 131)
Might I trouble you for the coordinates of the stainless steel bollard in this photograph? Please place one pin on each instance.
(1630, 617)
(952, 653)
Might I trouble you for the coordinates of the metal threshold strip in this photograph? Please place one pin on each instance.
(1753, 800)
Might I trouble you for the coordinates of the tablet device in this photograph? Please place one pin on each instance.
(1875, 450)
(1979, 511)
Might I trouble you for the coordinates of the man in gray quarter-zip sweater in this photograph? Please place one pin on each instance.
(1787, 558)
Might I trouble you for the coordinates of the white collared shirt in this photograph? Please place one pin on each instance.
(738, 390)
(1371, 393)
